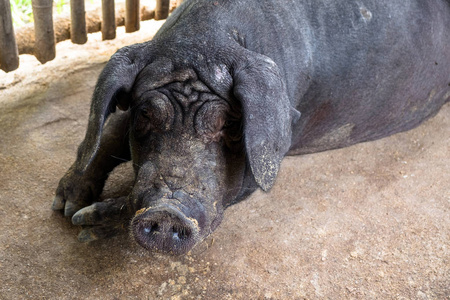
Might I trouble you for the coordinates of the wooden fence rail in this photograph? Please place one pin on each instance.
(162, 9)
(78, 33)
(109, 20)
(43, 30)
(9, 55)
(42, 44)
(132, 15)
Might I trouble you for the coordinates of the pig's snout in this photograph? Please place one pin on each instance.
(165, 229)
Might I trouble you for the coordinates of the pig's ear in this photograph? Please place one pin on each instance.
(267, 115)
(111, 90)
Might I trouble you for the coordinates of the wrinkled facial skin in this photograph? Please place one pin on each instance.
(189, 162)
(183, 127)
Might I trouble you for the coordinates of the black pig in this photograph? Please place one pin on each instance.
(211, 105)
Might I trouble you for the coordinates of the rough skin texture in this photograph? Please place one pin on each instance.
(211, 113)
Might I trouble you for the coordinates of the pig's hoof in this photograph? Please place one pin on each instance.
(70, 209)
(102, 219)
(87, 235)
(58, 203)
(92, 233)
(100, 213)
(88, 216)
(75, 191)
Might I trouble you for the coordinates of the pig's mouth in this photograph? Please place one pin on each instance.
(166, 229)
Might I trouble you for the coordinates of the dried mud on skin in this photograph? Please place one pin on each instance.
(365, 222)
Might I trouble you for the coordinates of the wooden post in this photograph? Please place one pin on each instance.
(162, 9)
(9, 54)
(132, 15)
(108, 20)
(78, 34)
(61, 24)
(43, 30)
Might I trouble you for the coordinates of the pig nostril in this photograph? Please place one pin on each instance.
(177, 232)
(151, 229)
(180, 233)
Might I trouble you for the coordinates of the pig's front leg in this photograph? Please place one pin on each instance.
(78, 189)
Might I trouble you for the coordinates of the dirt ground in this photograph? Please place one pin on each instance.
(365, 222)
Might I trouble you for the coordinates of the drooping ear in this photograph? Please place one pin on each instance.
(113, 84)
(267, 115)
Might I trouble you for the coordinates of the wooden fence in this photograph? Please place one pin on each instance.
(43, 46)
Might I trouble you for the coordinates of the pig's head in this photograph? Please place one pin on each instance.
(203, 135)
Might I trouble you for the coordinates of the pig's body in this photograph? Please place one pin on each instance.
(356, 70)
(213, 104)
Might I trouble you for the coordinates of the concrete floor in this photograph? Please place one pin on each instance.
(365, 222)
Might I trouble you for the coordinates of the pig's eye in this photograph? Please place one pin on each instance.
(210, 119)
(232, 130)
(228, 124)
(215, 122)
(154, 115)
